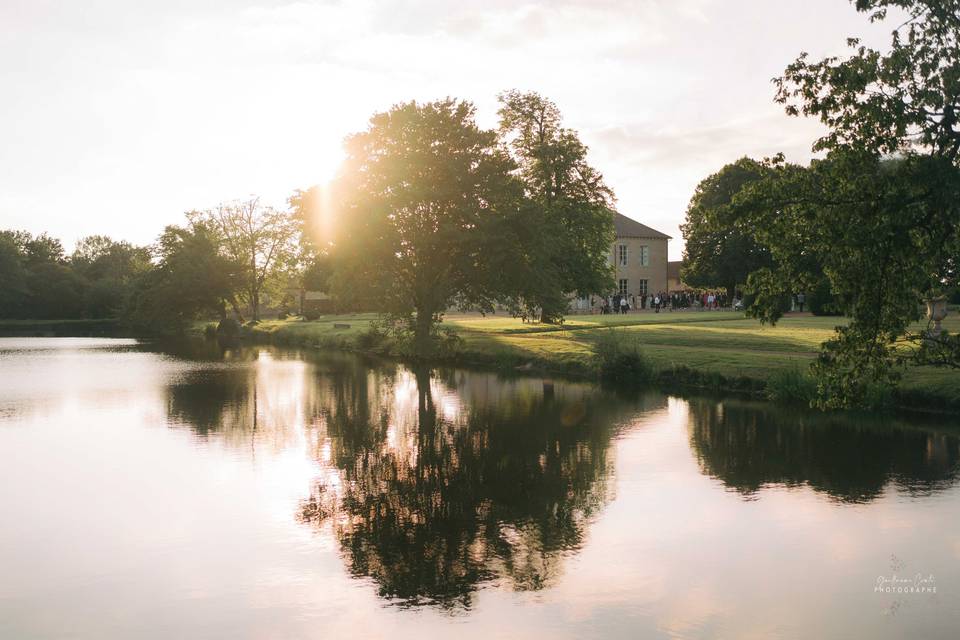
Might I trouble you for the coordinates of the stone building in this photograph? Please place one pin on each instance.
(639, 256)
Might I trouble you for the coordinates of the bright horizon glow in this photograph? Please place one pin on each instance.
(116, 119)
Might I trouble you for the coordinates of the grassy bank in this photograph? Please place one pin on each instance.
(721, 349)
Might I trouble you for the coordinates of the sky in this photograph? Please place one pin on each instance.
(116, 116)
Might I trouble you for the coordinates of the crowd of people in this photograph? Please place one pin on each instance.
(669, 301)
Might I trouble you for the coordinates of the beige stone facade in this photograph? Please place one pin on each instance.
(639, 257)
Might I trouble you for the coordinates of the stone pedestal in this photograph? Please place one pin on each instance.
(936, 311)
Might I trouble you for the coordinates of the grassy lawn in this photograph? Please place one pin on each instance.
(718, 342)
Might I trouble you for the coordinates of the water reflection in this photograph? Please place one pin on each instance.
(439, 484)
(310, 489)
(852, 460)
(436, 482)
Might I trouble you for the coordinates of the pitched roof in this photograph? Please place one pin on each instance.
(630, 228)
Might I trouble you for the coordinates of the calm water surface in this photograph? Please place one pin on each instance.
(257, 493)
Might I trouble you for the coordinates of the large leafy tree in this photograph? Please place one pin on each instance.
(110, 267)
(881, 210)
(192, 277)
(36, 279)
(13, 277)
(718, 251)
(259, 240)
(424, 199)
(568, 244)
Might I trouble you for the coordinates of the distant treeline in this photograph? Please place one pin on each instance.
(39, 280)
(222, 260)
(428, 211)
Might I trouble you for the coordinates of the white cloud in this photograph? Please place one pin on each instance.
(117, 116)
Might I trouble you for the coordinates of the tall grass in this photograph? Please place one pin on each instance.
(792, 386)
(620, 360)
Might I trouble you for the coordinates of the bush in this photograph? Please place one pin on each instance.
(229, 328)
(620, 360)
(373, 337)
(792, 386)
(821, 301)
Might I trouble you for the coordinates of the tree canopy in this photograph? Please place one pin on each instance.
(570, 208)
(719, 252)
(880, 212)
(423, 193)
(192, 276)
(39, 281)
(259, 241)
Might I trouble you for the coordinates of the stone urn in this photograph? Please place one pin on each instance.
(936, 311)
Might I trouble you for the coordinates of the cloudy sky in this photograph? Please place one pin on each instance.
(118, 115)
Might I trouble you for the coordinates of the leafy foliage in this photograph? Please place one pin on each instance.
(719, 252)
(259, 241)
(569, 208)
(424, 199)
(879, 216)
(39, 281)
(620, 359)
(191, 277)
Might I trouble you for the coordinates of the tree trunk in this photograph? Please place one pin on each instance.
(255, 285)
(236, 309)
(421, 331)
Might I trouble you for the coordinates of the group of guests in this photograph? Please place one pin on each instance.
(669, 301)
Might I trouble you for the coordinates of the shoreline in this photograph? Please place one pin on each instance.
(563, 351)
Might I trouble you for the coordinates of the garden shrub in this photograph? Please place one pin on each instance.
(620, 360)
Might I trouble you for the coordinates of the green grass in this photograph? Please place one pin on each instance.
(713, 346)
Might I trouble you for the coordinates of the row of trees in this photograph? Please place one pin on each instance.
(432, 211)
(875, 221)
(224, 257)
(429, 210)
(39, 280)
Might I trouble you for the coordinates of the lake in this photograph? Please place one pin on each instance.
(185, 491)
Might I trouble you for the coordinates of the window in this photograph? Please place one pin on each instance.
(644, 256)
(642, 291)
(623, 287)
(623, 255)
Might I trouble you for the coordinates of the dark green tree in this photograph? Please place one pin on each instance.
(719, 251)
(258, 240)
(883, 233)
(42, 283)
(110, 268)
(881, 212)
(191, 278)
(423, 193)
(570, 208)
(13, 277)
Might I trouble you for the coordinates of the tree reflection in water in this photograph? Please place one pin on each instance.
(751, 445)
(434, 483)
(442, 484)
